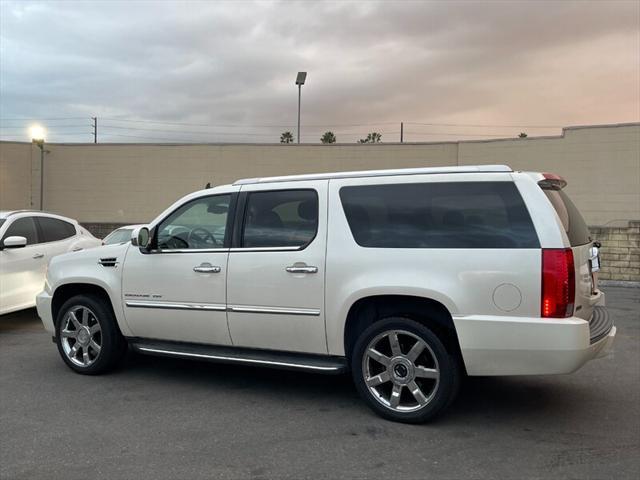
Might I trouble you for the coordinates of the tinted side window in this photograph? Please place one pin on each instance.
(281, 218)
(23, 227)
(53, 229)
(198, 224)
(439, 215)
(571, 218)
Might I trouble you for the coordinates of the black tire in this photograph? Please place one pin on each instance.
(443, 390)
(112, 344)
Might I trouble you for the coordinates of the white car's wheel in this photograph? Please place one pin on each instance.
(87, 335)
(403, 371)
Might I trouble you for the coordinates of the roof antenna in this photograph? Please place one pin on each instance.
(208, 185)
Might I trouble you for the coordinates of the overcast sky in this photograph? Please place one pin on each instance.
(466, 68)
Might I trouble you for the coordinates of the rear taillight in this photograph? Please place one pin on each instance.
(558, 283)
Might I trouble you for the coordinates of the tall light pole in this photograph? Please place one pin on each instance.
(302, 76)
(37, 137)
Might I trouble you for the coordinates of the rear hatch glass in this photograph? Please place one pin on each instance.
(571, 218)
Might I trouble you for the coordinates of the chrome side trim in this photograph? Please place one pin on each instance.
(274, 310)
(239, 359)
(266, 249)
(223, 250)
(216, 307)
(190, 250)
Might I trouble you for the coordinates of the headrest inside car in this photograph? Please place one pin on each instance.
(217, 209)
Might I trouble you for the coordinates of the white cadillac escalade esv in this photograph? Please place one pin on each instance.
(407, 278)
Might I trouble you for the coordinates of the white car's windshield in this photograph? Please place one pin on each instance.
(121, 235)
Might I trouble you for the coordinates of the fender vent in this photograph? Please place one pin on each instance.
(108, 262)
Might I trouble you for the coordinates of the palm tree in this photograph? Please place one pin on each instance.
(286, 137)
(373, 137)
(328, 137)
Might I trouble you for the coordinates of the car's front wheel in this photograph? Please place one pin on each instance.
(403, 371)
(87, 335)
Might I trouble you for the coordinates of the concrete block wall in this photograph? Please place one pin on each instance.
(620, 252)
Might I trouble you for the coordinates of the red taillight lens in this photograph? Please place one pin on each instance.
(558, 283)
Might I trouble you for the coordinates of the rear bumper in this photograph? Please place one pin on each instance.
(532, 346)
(43, 304)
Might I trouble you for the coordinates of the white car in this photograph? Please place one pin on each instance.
(28, 240)
(120, 235)
(407, 278)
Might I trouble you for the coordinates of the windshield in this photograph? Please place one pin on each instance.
(122, 235)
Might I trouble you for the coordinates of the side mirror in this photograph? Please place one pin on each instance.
(140, 237)
(14, 242)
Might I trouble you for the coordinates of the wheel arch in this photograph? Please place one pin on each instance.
(64, 292)
(427, 311)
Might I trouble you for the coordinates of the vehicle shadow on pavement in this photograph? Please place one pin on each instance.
(21, 321)
(503, 398)
(480, 398)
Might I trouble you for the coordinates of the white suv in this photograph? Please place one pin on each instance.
(408, 278)
(28, 240)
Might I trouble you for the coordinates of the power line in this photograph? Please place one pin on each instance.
(240, 125)
(52, 119)
(460, 134)
(480, 126)
(55, 127)
(191, 132)
(246, 125)
(159, 130)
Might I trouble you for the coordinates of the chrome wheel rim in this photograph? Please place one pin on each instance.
(81, 336)
(401, 371)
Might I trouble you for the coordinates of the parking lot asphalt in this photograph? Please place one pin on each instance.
(165, 418)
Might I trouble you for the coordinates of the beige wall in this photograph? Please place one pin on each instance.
(601, 165)
(133, 183)
(15, 175)
(124, 183)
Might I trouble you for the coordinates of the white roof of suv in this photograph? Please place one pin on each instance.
(377, 173)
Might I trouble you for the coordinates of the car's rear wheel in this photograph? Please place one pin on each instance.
(403, 371)
(87, 335)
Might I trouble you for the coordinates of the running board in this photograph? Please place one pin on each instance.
(327, 364)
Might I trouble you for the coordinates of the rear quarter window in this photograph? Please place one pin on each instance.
(439, 215)
(54, 229)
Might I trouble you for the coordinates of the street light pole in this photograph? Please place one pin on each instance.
(299, 98)
(40, 143)
(37, 137)
(300, 79)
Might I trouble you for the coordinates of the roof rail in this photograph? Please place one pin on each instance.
(377, 173)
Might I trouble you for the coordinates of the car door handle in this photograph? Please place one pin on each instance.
(77, 249)
(206, 268)
(301, 269)
(38, 255)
